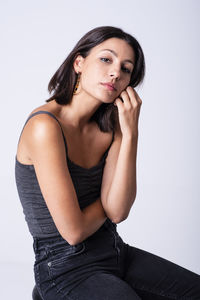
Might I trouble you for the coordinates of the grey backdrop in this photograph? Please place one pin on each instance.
(36, 38)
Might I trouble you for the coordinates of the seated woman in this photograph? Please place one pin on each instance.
(76, 179)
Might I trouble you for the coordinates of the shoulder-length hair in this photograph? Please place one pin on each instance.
(63, 82)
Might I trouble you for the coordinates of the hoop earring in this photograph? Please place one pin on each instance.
(77, 84)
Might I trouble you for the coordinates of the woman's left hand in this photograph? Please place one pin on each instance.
(128, 104)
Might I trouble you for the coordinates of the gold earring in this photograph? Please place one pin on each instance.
(77, 84)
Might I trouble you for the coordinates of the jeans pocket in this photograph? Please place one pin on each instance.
(63, 265)
(62, 254)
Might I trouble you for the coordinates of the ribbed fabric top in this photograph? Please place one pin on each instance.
(87, 183)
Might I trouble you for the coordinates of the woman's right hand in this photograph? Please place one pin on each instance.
(128, 104)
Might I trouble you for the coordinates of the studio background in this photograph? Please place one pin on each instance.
(36, 38)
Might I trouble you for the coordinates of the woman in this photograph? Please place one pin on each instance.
(76, 178)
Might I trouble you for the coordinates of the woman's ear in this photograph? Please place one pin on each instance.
(78, 63)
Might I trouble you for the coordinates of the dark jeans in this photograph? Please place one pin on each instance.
(103, 267)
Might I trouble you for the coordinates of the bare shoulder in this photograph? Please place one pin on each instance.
(38, 127)
(41, 126)
(42, 129)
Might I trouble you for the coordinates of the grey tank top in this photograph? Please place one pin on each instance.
(87, 183)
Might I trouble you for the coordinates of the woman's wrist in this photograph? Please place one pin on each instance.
(130, 137)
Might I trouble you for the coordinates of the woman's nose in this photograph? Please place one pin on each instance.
(115, 72)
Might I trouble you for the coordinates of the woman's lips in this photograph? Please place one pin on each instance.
(109, 87)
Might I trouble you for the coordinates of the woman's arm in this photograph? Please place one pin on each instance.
(93, 218)
(118, 189)
(47, 151)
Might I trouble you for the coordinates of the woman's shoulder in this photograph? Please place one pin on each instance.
(35, 123)
(43, 118)
(44, 114)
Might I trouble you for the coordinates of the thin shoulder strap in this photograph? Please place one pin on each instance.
(50, 114)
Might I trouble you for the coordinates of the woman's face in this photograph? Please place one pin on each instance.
(113, 65)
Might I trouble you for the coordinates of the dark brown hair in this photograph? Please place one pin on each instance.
(63, 82)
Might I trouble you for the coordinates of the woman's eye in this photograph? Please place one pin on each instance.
(126, 70)
(123, 68)
(104, 58)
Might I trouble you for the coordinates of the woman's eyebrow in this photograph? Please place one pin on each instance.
(112, 51)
